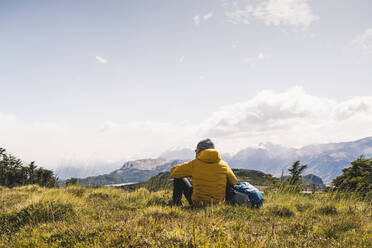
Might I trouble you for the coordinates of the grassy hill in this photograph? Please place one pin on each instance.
(78, 216)
(164, 180)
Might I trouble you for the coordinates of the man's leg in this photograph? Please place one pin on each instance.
(229, 194)
(181, 185)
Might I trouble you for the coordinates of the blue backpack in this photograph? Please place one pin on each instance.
(247, 194)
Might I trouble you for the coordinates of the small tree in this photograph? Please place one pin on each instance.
(295, 172)
(71, 181)
(358, 177)
(31, 172)
(45, 178)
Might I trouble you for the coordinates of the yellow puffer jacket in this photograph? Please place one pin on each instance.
(209, 176)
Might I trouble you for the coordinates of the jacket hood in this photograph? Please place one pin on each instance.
(209, 156)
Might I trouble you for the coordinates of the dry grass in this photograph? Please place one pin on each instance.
(105, 217)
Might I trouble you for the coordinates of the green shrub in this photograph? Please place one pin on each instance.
(358, 177)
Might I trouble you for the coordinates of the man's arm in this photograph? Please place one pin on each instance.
(231, 178)
(182, 170)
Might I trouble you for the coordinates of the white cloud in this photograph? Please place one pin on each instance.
(364, 41)
(101, 60)
(49, 143)
(291, 117)
(181, 59)
(296, 13)
(196, 20)
(208, 15)
(353, 107)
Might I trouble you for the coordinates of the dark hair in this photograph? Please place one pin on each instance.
(205, 144)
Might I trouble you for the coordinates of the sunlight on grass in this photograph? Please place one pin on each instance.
(77, 216)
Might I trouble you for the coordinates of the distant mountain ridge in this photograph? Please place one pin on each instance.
(324, 160)
(309, 180)
(131, 172)
(142, 164)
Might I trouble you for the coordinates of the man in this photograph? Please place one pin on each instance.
(210, 176)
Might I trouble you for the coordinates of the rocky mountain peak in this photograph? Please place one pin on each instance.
(143, 164)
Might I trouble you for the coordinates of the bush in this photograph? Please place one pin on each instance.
(71, 181)
(358, 177)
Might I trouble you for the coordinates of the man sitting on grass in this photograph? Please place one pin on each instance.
(210, 177)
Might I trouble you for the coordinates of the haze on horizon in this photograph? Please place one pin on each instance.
(85, 81)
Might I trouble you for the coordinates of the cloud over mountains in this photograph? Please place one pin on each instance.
(292, 118)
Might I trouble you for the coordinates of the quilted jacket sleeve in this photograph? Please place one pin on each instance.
(182, 170)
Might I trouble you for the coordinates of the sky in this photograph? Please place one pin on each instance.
(85, 81)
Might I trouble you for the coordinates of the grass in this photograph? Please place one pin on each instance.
(78, 216)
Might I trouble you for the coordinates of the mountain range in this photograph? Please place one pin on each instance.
(131, 172)
(324, 160)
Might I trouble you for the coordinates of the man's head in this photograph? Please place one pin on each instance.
(204, 144)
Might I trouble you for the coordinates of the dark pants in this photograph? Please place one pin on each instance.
(183, 186)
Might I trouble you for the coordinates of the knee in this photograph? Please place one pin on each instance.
(182, 182)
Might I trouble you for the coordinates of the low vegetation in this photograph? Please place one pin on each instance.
(14, 173)
(357, 178)
(140, 215)
(77, 216)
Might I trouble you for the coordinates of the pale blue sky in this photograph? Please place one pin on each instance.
(87, 66)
